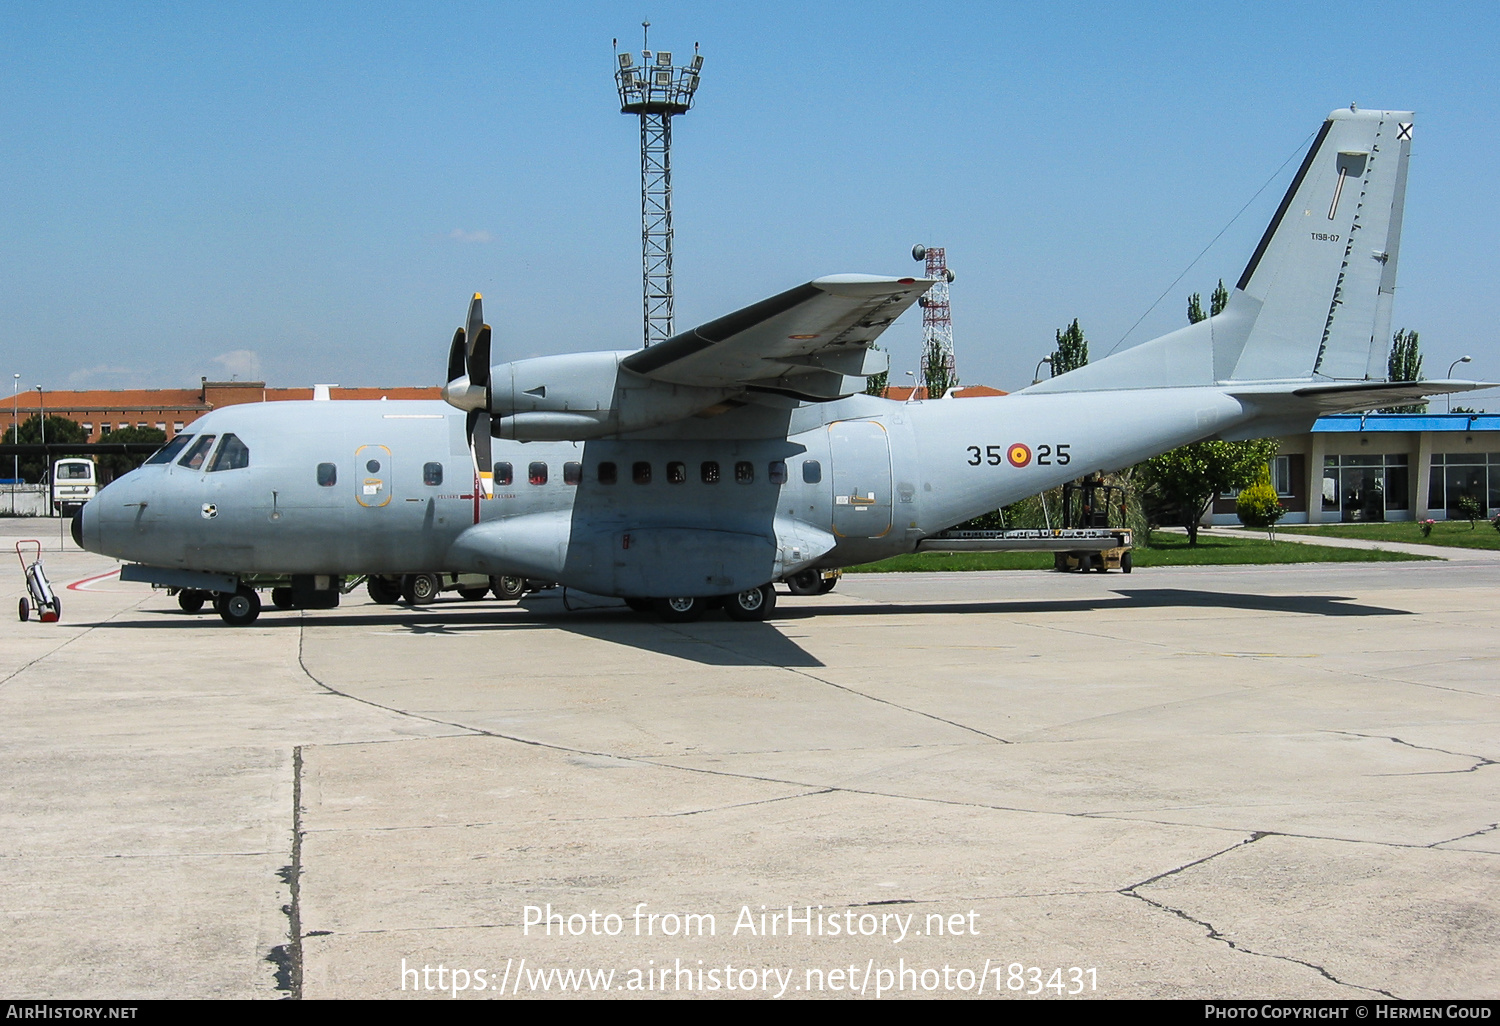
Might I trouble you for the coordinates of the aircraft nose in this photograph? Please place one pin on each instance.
(77, 528)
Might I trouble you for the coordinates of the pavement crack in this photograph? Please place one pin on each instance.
(1213, 933)
(1491, 828)
(58, 648)
(1479, 760)
(844, 688)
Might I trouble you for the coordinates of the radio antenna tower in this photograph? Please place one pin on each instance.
(939, 372)
(656, 89)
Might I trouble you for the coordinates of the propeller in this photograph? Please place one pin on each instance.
(468, 388)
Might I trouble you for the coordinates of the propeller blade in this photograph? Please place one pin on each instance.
(479, 360)
(456, 361)
(480, 442)
(474, 322)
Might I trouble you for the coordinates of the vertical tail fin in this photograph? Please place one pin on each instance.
(1315, 299)
(1325, 271)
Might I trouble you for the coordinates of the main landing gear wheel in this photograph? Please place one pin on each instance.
(508, 588)
(241, 608)
(805, 582)
(681, 610)
(420, 589)
(190, 600)
(641, 605)
(751, 604)
(827, 585)
(472, 594)
(384, 590)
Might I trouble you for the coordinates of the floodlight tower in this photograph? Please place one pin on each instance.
(937, 319)
(656, 90)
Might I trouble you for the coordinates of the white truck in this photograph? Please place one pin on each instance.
(74, 482)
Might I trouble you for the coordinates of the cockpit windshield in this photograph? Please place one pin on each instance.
(198, 453)
(233, 454)
(170, 450)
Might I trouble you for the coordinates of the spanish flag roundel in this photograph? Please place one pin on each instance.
(1018, 454)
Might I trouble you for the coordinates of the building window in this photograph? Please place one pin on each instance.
(1281, 476)
(177, 425)
(88, 429)
(1456, 475)
(1363, 488)
(161, 425)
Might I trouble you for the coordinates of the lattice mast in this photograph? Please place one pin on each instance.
(656, 90)
(937, 318)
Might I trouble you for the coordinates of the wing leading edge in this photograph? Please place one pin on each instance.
(811, 342)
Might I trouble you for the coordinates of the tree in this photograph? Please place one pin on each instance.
(1187, 479)
(113, 465)
(1405, 364)
(935, 369)
(60, 430)
(876, 384)
(1072, 350)
(1217, 302)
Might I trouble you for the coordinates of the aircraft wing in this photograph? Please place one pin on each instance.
(811, 342)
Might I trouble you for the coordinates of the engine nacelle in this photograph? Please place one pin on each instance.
(585, 395)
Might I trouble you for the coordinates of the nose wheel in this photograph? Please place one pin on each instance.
(240, 608)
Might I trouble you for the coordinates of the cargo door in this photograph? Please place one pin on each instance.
(861, 455)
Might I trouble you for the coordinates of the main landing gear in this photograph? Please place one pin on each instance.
(749, 605)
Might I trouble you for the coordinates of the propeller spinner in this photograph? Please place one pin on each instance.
(468, 388)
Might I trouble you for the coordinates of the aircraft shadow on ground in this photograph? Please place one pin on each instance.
(718, 641)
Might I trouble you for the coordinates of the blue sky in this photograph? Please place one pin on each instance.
(309, 192)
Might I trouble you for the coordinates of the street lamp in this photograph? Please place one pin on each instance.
(15, 437)
(1036, 377)
(1455, 363)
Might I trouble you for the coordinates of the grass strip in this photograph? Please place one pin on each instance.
(1165, 550)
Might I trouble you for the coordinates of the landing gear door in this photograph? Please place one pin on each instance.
(373, 474)
(861, 455)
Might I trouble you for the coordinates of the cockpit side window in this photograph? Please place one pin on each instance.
(195, 456)
(233, 454)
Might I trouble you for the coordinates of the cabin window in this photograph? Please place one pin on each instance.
(572, 473)
(709, 472)
(744, 472)
(328, 475)
(233, 454)
(432, 474)
(777, 472)
(537, 473)
(170, 451)
(676, 472)
(608, 473)
(640, 472)
(812, 471)
(503, 474)
(195, 456)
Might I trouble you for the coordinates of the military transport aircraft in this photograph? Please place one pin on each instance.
(735, 454)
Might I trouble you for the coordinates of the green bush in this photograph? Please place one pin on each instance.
(1257, 505)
